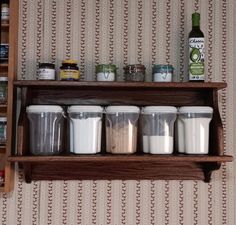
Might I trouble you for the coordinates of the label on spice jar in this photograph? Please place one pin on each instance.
(69, 74)
(5, 12)
(196, 59)
(46, 74)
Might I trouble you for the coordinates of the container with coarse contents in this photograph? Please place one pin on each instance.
(46, 123)
(158, 129)
(134, 72)
(69, 70)
(193, 129)
(106, 72)
(85, 129)
(121, 129)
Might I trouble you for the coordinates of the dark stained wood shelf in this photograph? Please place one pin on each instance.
(106, 166)
(129, 85)
(3, 65)
(5, 25)
(105, 158)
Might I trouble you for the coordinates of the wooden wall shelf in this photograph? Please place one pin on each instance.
(107, 166)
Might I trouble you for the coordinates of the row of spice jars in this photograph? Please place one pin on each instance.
(85, 129)
(105, 72)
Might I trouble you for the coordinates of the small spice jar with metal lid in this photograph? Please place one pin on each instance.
(162, 73)
(46, 71)
(3, 130)
(106, 72)
(2, 178)
(3, 89)
(69, 70)
(134, 72)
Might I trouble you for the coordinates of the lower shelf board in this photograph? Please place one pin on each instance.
(120, 167)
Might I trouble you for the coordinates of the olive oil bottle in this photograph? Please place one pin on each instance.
(196, 51)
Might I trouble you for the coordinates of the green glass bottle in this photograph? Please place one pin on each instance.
(196, 51)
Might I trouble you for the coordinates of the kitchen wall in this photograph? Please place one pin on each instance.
(120, 32)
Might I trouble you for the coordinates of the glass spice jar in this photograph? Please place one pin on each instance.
(46, 71)
(162, 73)
(106, 72)
(2, 178)
(134, 72)
(3, 89)
(3, 130)
(69, 70)
(5, 11)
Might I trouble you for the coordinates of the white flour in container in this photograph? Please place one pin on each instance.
(196, 135)
(86, 135)
(158, 144)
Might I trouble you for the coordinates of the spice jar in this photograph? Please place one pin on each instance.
(3, 130)
(162, 73)
(5, 11)
(4, 49)
(2, 178)
(69, 70)
(135, 72)
(3, 89)
(46, 71)
(106, 72)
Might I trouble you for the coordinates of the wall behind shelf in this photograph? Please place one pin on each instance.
(156, 32)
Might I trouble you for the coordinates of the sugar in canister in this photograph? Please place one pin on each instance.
(162, 73)
(134, 72)
(69, 70)
(46, 71)
(106, 72)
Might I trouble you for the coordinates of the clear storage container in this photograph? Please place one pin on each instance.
(158, 129)
(121, 129)
(3, 130)
(85, 129)
(46, 124)
(193, 129)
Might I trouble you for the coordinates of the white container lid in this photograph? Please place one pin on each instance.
(3, 119)
(44, 108)
(3, 78)
(195, 109)
(159, 109)
(85, 108)
(122, 108)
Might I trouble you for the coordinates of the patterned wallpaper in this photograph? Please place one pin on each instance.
(120, 32)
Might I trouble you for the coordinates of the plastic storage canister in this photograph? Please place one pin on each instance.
(134, 72)
(69, 70)
(193, 129)
(158, 129)
(85, 129)
(46, 124)
(3, 89)
(106, 72)
(121, 129)
(162, 73)
(3, 130)
(46, 71)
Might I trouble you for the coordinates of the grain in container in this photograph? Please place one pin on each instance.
(85, 128)
(193, 129)
(158, 129)
(46, 123)
(121, 129)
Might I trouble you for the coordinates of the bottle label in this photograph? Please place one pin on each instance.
(196, 59)
(69, 74)
(46, 74)
(5, 12)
